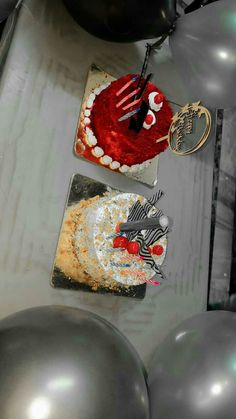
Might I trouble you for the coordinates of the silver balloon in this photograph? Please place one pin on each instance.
(65, 363)
(193, 375)
(204, 47)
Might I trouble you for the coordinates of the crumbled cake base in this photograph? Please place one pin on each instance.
(66, 259)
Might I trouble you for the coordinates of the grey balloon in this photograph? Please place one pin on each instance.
(65, 363)
(193, 374)
(204, 47)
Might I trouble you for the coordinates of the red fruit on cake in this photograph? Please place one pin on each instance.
(120, 241)
(133, 248)
(157, 250)
(111, 142)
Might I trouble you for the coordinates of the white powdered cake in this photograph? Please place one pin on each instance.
(94, 249)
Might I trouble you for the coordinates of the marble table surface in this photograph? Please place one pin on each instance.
(40, 95)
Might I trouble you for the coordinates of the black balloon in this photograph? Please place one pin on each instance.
(6, 7)
(124, 20)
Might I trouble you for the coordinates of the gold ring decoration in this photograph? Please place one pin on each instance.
(190, 129)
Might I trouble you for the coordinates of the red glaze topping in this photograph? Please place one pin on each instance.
(115, 138)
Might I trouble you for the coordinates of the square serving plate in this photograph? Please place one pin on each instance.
(82, 187)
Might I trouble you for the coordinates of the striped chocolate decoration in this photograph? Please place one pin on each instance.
(139, 212)
(147, 257)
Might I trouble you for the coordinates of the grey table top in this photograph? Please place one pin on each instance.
(40, 95)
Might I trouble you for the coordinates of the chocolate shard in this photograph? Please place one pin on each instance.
(136, 123)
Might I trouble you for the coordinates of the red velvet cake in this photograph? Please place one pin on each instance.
(111, 142)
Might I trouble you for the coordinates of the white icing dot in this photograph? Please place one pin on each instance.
(90, 100)
(124, 168)
(97, 91)
(106, 160)
(97, 151)
(135, 168)
(114, 165)
(87, 120)
(91, 139)
(87, 112)
(89, 103)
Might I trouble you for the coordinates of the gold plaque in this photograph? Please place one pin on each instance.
(190, 128)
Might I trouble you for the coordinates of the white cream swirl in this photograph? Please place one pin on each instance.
(97, 151)
(153, 105)
(105, 160)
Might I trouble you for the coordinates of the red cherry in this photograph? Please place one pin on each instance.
(149, 119)
(133, 248)
(158, 99)
(117, 228)
(157, 249)
(120, 241)
(149, 249)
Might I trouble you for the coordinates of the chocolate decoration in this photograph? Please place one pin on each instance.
(136, 123)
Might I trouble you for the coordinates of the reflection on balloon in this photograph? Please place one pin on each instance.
(193, 374)
(204, 48)
(39, 408)
(66, 363)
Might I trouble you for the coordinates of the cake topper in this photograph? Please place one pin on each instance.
(190, 128)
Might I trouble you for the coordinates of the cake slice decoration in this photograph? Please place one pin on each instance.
(122, 89)
(127, 97)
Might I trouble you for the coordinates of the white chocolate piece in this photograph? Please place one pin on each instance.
(124, 168)
(90, 100)
(105, 160)
(114, 165)
(87, 112)
(87, 120)
(97, 152)
(91, 140)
